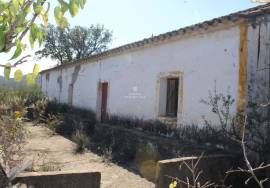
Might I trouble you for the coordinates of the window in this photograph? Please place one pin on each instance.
(172, 97)
(168, 96)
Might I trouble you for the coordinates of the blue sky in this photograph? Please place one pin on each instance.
(132, 20)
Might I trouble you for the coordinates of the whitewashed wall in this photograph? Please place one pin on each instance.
(259, 60)
(203, 59)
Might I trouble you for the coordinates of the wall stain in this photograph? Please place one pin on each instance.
(259, 46)
(242, 83)
(60, 83)
(74, 78)
(47, 77)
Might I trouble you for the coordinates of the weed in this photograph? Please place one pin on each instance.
(107, 155)
(82, 141)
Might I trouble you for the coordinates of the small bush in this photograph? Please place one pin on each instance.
(81, 140)
(151, 126)
(53, 122)
(54, 107)
(107, 155)
(12, 135)
(37, 111)
(31, 94)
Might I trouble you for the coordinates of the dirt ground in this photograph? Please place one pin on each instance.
(53, 152)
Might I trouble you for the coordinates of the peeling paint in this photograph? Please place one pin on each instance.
(259, 46)
(47, 77)
(242, 82)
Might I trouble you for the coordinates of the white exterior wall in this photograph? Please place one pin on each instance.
(259, 60)
(203, 59)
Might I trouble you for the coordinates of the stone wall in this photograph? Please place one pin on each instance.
(213, 169)
(142, 150)
(59, 179)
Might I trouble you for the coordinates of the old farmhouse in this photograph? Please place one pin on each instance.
(165, 77)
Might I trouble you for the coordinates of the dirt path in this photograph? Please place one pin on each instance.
(54, 152)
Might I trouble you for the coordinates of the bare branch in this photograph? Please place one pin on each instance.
(11, 35)
(20, 61)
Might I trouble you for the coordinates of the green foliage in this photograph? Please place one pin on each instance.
(36, 71)
(2, 39)
(31, 94)
(7, 71)
(73, 8)
(12, 135)
(25, 97)
(31, 78)
(38, 110)
(20, 17)
(13, 110)
(18, 75)
(74, 43)
(19, 48)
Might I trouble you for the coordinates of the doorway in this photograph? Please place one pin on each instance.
(172, 97)
(104, 100)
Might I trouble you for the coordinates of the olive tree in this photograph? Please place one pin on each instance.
(74, 43)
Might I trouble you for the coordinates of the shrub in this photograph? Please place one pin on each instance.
(152, 126)
(54, 107)
(13, 108)
(37, 111)
(107, 155)
(53, 122)
(31, 94)
(82, 141)
(12, 135)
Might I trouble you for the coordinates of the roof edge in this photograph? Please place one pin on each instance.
(232, 18)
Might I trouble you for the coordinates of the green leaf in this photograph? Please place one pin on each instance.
(29, 79)
(82, 3)
(35, 71)
(73, 8)
(38, 9)
(32, 41)
(16, 4)
(64, 6)
(19, 49)
(58, 15)
(63, 23)
(34, 32)
(7, 71)
(2, 39)
(45, 19)
(19, 29)
(18, 75)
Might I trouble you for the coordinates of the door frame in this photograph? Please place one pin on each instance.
(99, 100)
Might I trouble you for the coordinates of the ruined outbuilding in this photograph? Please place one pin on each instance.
(165, 77)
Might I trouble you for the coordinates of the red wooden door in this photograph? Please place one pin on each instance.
(104, 97)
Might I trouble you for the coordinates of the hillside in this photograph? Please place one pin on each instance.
(11, 84)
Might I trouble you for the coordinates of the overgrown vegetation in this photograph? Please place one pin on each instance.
(13, 111)
(151, 126)
(123, 142)
(19, 19)
(82, 141)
